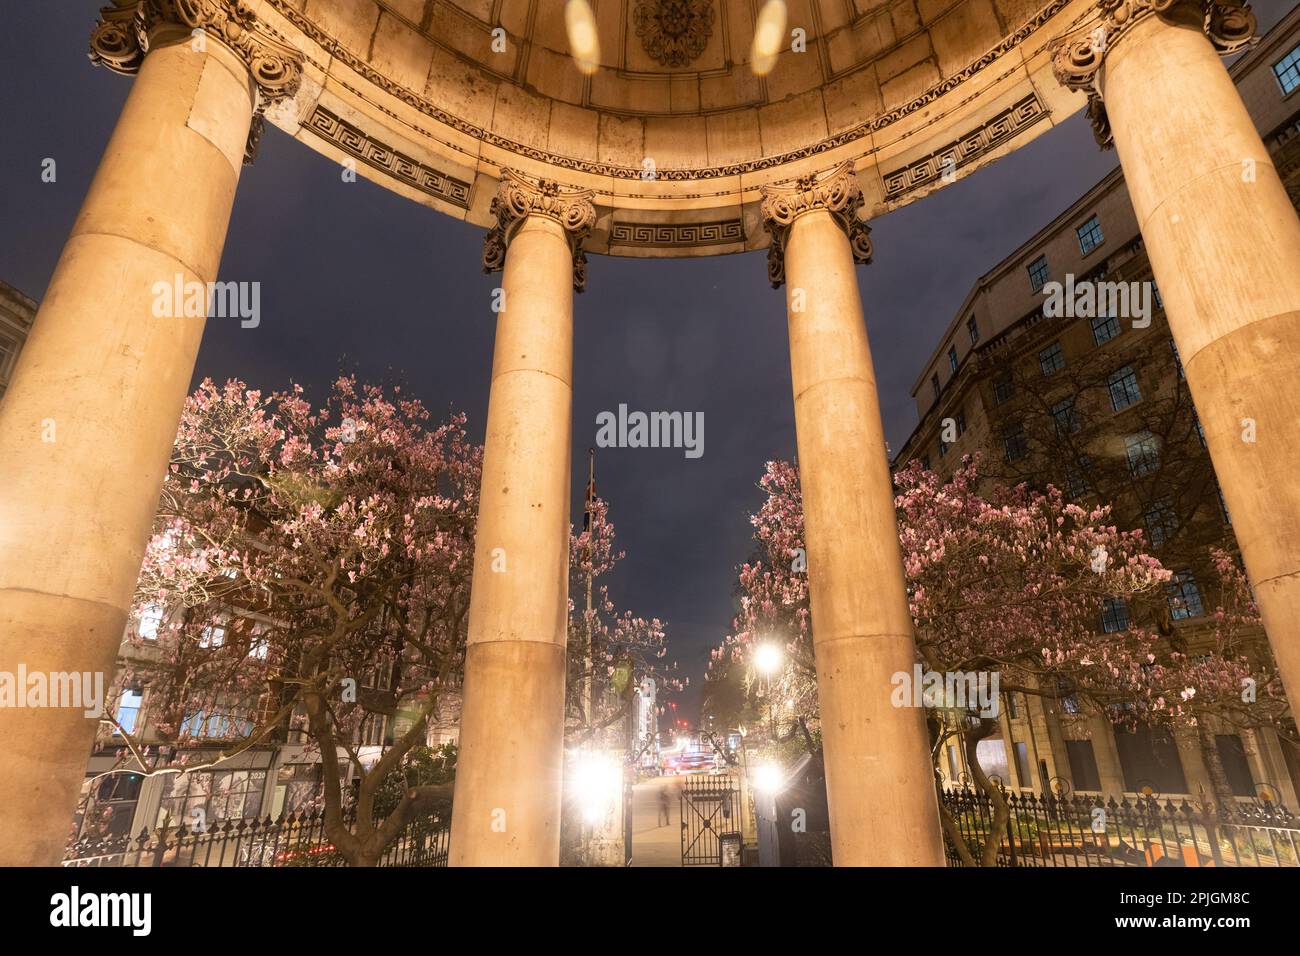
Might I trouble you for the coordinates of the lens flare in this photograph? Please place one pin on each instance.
(769, 37)
(580, 24)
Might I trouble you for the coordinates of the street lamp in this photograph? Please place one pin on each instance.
(767, 658)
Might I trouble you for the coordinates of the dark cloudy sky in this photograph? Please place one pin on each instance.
(353, 274)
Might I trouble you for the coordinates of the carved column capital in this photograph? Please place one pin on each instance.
(518, 197)
(836, 192)
(121, 38)
(1078, 57)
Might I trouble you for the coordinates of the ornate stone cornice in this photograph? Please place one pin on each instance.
(1077, 59)
(121, 38)
(520, 196)
(836, 192)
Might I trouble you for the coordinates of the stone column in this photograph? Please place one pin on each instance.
(879, 779)
(508, 775)
(88, 422)
(1224, 243)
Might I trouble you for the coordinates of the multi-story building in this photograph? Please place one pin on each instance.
(1094, 403)
(16, 314)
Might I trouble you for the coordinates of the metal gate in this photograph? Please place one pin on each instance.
(710, 808)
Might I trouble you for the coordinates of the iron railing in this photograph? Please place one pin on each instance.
(1094, 831)
(293, 840)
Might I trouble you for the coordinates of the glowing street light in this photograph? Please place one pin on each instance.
(768, 658)
(584, 45)
(597, 780)
(768, 779)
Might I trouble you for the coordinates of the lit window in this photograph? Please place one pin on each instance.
(1104, 328)
(1161, 521)
(214, 635)
(1124, 389)
(151, 616)
(952, 358)
(1184, 597)
(1038, 273)
(973, 330)
(1114, 615)
(1143, 452)
(1051, 359)
(1090, 236)
(1067, 421)
(1287, 70)
(128, 710)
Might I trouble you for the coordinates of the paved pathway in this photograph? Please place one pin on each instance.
(653, 843)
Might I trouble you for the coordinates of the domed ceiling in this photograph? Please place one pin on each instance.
(668, 116)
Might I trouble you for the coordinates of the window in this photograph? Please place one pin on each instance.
(991, 755)
(1083, 765)
(952, 358)
(1104, 328)
(1184, 597)
(925, 462)
(1232, 755)
(1155, 294)
(1124, 391)
(1051, 359)
(1067, 420)
(1038, 273)
(1090, 236)
(943, 448)
(1149, 759)
(1287, 70)
(1076, 477)
(960, 421)
(1223, 507)
(150, 619)
(1161, 521)
(1114, 615)
(1013, 709)
(218, 794)
(1178, 359)
(1143, 453)
(214, 635)
(1022, 765)
(934, 383)
(972, 330)
(1003, 389)
(1200, 431)
(128, 710)
(1015, 444)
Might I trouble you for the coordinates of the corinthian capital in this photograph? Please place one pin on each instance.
(836, 192)
(121, 38)
(518, 197)
(1077, 58)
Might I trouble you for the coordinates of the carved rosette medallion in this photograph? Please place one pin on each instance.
(836, 192)
(1077, 59)
(518, 197)
(121, 38)
(674, 32)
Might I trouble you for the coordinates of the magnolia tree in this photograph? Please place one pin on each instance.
(315, 563)
(1009, 582)
(610, 650)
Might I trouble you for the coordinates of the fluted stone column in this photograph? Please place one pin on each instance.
(879, 779)
(508, 774)
(87, 424)
(1224, 243)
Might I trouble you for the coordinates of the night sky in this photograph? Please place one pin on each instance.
(356, 277)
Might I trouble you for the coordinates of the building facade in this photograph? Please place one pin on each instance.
(1059, 368)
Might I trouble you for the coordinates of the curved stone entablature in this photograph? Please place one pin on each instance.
(912, 93)
(122, 37)
(519, 196)
(1078, 57)
(836, 192)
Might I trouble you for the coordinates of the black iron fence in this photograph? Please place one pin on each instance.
(1145, 831)
(711, 825)
(293, 840)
